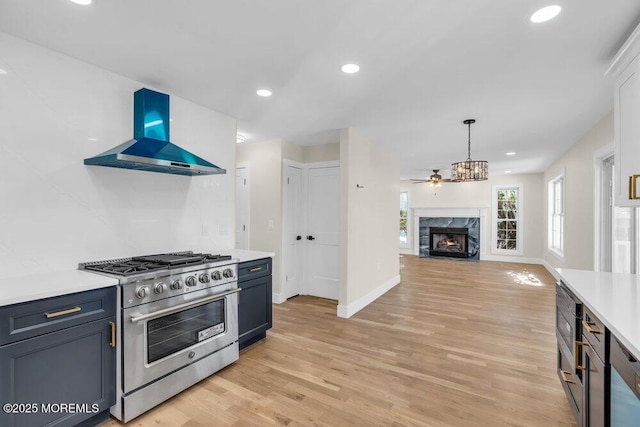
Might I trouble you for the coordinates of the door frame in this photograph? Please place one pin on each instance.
(598, 158)
(279, 298)
(246, 167)
(304, 276)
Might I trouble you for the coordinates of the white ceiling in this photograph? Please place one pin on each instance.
(426, 65)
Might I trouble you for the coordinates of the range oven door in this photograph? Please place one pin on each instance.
(164, 336)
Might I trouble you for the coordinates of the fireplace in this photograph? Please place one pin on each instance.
(449, 242)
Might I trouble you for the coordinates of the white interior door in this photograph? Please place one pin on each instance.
(242, 207)
(293, 243)
(323, 222)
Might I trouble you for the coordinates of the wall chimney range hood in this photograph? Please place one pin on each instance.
(150, 149)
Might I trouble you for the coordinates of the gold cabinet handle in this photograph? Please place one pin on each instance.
(564, 374)
(112, 343)
(588, 327)
(577, 354)
(633, 187)
(254, 269)
(62, 312)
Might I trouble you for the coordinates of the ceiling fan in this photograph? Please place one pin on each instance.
(435, 180)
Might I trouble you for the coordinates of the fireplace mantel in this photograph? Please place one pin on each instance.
(450, 213)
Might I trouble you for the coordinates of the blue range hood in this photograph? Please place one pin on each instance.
(150, 149)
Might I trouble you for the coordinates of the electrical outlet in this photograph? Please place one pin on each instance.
(270, 225)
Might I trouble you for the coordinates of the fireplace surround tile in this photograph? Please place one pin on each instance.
(470, 223)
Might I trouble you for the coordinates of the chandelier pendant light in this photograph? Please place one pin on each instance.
(469, 170)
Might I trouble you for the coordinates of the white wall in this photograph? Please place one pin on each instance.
(321, 153)
(479, 195)
(56, 212)
(579, 170)
(368, 222)
(265, 199)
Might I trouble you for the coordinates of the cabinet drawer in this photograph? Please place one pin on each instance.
(594, 331)
(572, 386)
(254, 269)
(30, 319)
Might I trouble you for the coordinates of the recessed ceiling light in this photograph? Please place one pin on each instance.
(511, 153)
(263, 92)
(240, 138)
(545, 14)
(91, 138)
(82, 2)
(350, 68)
(3, 71)
(507, 171)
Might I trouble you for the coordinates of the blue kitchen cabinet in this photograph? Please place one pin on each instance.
(57, 360)
(254, 306)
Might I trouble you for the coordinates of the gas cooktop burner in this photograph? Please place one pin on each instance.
(148, 263)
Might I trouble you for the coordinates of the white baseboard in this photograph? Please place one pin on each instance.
(407, 251)
(347, 311)
(506, 258)
(551, 270)
(277, 298)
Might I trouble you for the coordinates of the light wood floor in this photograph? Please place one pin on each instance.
(454, 344)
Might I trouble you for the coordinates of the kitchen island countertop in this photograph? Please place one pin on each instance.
(614, 298)
(14, 290)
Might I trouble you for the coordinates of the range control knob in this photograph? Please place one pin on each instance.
(159, 288)
(204, 278)
(142, 292)
(216, 275)
(176, 284)
(191, 281)
(228, 273)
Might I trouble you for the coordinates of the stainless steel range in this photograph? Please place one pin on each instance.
(177, 324)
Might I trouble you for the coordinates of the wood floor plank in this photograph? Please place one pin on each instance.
(454, 344)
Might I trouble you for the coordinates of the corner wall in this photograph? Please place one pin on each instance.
(368, 222)
(265, 199)
(265, 161)
(579, 175)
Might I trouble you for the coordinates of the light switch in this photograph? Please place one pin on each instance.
(270, 224)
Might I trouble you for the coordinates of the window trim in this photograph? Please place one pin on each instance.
(520, 219)
(558, 252)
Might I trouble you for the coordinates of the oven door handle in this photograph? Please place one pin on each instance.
(177, 308)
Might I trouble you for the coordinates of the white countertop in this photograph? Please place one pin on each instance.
(614, 298)
(245, 255)
(32, 287)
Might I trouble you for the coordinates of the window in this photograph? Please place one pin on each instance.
(555, 223)
(404, 210)
(507, 218)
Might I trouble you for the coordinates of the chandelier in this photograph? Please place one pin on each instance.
(469, 170)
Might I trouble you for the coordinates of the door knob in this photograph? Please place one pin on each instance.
(311, 238)
(298, 237)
